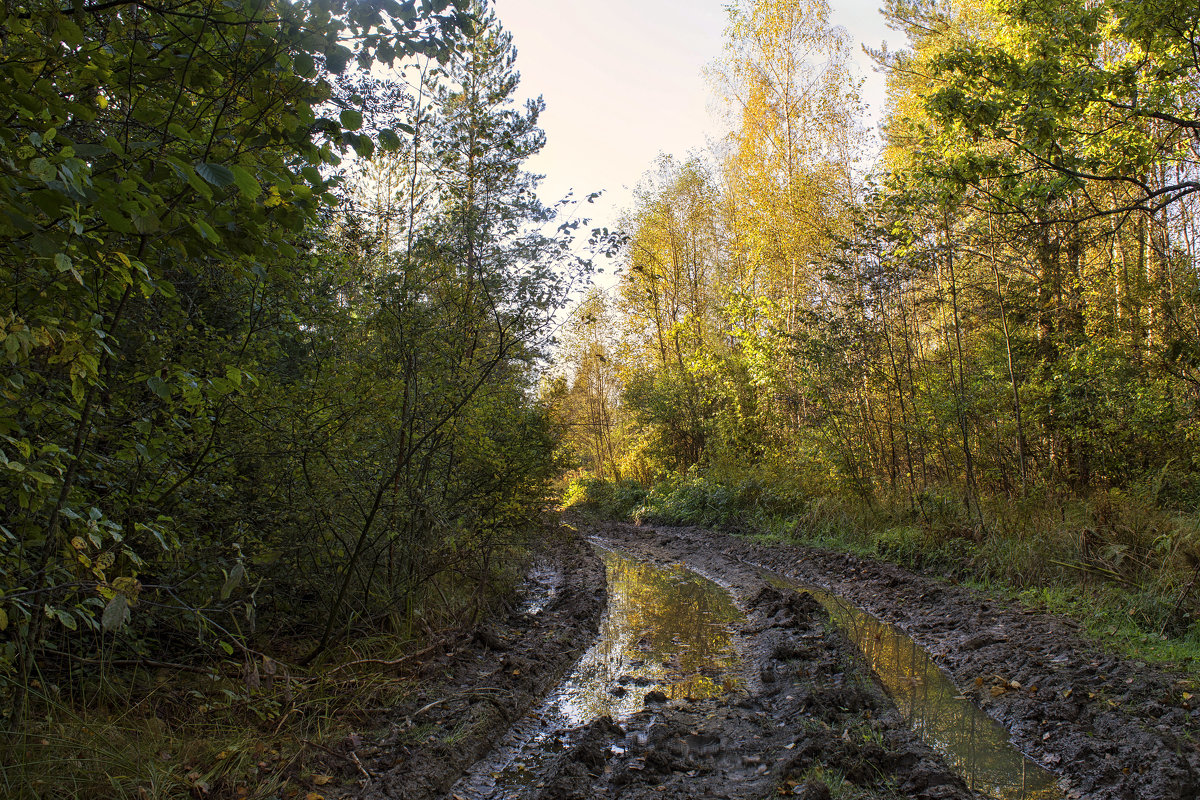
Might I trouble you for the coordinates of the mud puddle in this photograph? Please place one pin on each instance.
(973, 743)
(667, 635)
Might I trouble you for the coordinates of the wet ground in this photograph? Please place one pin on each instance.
(480, 683)
(667, 632)
(725, 669)
(694, 690)
(974, 744)
(1109, 727)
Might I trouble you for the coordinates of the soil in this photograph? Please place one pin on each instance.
(810, 716)
(810, 721)
(473, 693)
(1112, 727)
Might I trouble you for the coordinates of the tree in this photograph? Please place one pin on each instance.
(161, 167)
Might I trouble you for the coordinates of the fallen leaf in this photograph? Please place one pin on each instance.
(321, 780)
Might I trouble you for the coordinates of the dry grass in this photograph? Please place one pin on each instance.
(268, 732)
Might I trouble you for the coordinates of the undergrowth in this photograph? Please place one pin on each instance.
(261, 731)
(246, 729)
(1122, 565)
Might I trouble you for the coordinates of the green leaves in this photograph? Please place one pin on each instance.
(116, 613)
(159, 387)
(64, 617)
(235, 578)
(218, 175)
(156, 253)
(337, 57)
(388, 140)
(304, 65)
(246, 183)
(42, 169)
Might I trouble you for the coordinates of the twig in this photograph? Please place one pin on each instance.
(383, 662)
(284, 719)
(352, 758)
(366, 773)
(1179, 603)
(1095, 570)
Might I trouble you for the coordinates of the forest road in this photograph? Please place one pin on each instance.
(1108, 727)
(806, 718)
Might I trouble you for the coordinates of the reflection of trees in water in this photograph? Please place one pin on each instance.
(682, 618)
(673, 622)
(932, 706)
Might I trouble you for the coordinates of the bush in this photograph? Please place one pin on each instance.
(603, 499)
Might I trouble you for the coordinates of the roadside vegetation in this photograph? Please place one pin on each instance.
(274, 292)
(974, 355)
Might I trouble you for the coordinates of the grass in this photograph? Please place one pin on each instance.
(1119, 563)
(258, 729)
(183, 735)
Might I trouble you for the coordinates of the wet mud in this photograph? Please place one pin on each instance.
(802, 717)
(1108, 726)
(808, 724)
(714, 676)
(667, 634)
(472, 693)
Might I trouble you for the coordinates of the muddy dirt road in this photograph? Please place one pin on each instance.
(1106, 726)
(720, 670)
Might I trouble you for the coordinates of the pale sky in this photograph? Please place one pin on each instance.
(623, 81)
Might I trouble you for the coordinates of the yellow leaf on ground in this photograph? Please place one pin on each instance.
(321, 780)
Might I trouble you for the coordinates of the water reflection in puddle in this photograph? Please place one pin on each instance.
(971, 741)
(666, 629)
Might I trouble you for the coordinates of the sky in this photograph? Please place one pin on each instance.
(623, 81)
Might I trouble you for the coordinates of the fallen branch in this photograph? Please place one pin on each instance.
(1095, 570)
(383, 662)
